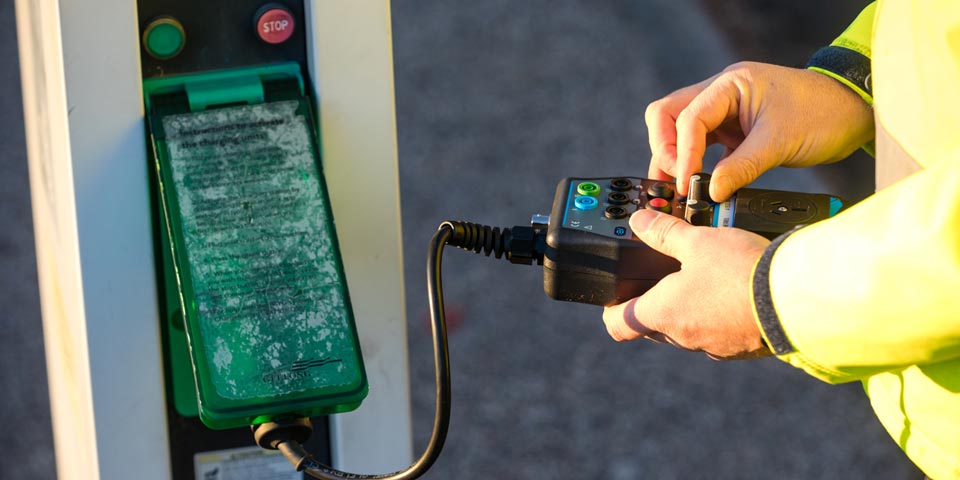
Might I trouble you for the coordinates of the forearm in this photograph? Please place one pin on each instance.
(872, 289)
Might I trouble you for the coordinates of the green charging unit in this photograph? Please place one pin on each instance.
(261, 326)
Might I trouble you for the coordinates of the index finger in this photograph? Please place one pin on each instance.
(661, 119)
(704, 114)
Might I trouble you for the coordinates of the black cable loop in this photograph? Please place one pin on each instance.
(304, 461)
(468, 236)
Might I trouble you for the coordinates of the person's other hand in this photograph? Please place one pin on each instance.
(765, 115)
(707, 305)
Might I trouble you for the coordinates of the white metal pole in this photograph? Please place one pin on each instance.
(351, 50)
(88, 173)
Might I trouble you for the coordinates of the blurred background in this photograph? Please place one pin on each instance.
(497, 101)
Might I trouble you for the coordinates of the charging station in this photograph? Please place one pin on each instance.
(109, 357)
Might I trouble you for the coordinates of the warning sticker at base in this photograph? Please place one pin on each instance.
(245, 463)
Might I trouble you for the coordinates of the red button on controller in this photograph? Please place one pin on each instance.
(275, 25)
(659, 205)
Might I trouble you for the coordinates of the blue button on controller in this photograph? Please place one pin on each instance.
(620, 231)
(585, 203)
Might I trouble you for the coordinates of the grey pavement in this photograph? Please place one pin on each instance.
(496, 101)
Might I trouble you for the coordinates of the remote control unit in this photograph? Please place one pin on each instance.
(593, 257)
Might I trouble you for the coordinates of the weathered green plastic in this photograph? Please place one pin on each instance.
(254, 280)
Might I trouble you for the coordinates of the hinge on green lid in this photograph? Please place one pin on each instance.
(225, 91)
(238, 86)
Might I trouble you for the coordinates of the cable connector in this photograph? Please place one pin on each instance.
(520, 244)
(526, 245)
(270, 434)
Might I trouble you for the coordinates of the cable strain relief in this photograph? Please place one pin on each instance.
(477, 238)
(296, 455)
(270, 434)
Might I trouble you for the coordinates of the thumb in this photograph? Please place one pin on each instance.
(664, 233)
(755, 155)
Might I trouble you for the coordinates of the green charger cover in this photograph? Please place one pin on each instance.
(254, 252)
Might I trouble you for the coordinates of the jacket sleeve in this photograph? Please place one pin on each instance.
(873, 289)
(847, 59)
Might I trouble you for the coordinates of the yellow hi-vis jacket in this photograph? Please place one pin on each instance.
(873, 294)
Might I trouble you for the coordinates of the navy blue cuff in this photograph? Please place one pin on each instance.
(849, 64)
(763, 301)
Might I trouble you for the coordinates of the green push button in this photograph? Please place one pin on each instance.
(164, 38)
(588, 188)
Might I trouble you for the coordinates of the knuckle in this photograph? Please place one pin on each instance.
(655, 110)
(615, 331)
(742, 66)
(733, 67)
(610, 322)
(689, 119)
(751, 167)
(744, 168)
(670, 168)
(739, 74)
(686, 116)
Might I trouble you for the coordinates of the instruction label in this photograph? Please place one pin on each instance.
(246, 463)
(260, 246)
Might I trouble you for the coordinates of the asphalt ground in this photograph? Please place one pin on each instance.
(496, 101)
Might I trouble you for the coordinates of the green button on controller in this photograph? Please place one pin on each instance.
(588, 188)
(164, 38)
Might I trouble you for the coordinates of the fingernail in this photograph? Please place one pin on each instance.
(641, 220)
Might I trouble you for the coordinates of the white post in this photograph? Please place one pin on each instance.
(88, 177)
(351, 49)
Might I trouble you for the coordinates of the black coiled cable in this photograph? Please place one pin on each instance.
(477, 238)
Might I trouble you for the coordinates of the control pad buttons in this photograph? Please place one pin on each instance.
(659, 205)
(660, 190)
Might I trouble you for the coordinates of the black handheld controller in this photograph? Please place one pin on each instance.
(593, 257)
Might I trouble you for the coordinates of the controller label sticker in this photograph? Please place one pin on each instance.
(725, 212)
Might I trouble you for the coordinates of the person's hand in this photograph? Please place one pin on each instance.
(707, 305)
(765, 115)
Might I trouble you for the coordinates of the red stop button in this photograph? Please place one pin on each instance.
(275, 25)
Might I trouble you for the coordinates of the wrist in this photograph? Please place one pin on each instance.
(765, 313)
(849, 67)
